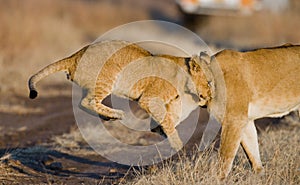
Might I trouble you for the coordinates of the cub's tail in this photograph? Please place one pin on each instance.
(61, 65)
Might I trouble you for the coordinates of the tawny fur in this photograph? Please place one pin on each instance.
(259, 83)
(236, 87)
(165, 86)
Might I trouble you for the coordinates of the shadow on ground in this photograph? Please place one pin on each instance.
(35, 160)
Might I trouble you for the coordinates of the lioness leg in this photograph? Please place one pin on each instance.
(230, 139)
(166, 114)
(250, 145)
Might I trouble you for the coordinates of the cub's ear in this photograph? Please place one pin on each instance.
(204, 57)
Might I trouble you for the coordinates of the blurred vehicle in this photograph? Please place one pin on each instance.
(215, 7)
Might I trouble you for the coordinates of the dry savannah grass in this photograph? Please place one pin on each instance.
(39, 140)
(279, 152)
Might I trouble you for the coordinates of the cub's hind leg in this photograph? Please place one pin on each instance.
(249, 143)
(87, 101)
(104, 110)
(104, 88)
(94, 105)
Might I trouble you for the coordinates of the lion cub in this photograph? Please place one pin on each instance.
(164, 86)
(236, 87)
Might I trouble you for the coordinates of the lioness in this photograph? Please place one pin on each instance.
(237, 87)
(260, 83)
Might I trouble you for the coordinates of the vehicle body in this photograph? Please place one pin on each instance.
(214, 7)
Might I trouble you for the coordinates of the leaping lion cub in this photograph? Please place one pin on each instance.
(237, 87)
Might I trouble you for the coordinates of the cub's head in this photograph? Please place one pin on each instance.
(202, 77)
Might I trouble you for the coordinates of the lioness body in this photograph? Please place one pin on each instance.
(260, 83)
(268, 79)
(237, 87)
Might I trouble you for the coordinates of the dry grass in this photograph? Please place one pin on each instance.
(280, 154)
(279, 151)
